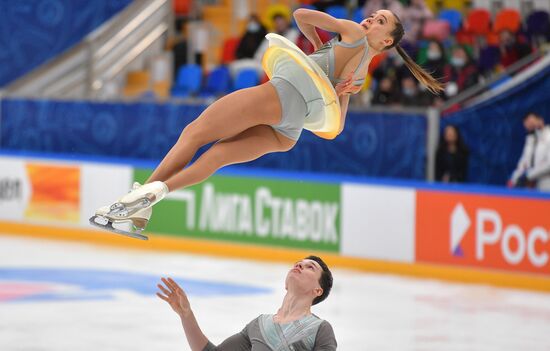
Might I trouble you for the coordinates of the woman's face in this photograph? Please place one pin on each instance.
(450, 134)
(378, 27)
(304, 277)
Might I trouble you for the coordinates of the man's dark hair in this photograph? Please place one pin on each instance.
(325, 281)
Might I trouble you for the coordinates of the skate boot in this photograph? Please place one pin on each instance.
(131, 226)
(138, 199)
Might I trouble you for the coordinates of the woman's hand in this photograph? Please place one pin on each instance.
(346, 87)
(175, 296)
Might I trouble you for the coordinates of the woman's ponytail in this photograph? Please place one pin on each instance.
(419, 73)
(423, 77)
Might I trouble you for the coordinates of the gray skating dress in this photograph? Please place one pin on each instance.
(305, 85)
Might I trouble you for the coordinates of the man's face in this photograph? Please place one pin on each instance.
(280, 24)
(304, 276)
(531, 123)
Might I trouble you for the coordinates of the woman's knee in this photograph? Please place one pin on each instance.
(195, 135)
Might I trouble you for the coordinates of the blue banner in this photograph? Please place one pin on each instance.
(33, 31)
(373, 144)
(493, 130)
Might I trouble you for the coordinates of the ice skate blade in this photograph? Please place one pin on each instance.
(105, 224)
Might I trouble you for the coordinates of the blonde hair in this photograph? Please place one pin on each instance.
(418, 72)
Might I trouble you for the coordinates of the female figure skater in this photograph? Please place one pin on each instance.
(309, 92)
(293, 327)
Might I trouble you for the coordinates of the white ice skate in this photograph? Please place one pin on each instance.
(138, 199)
(131, 213)
(132, 226)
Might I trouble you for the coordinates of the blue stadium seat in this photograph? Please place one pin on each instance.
(188, 81)
(218, 82)
(454, 17)
(337, 11)
(246, 78)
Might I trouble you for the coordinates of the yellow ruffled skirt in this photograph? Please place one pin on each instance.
(286, 60)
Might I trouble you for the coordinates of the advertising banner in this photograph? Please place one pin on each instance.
(483, 231)
(39, 191)
(54, 192)
(255, 210)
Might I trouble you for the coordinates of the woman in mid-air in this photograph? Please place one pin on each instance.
(293, 327)
(310, 92)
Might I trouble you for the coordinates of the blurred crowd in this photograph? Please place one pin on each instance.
(461, 48)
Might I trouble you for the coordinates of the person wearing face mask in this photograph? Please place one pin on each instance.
(252, 38)
(462, 70)
(435, 63)
(410, 95)
(281, 25)
(533, 168)
(435, 59)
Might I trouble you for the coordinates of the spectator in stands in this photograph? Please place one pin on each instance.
(511, 49)
(435, 59)
(451, 163)
(252, 38)
(411, 95)
(413, 17)
(385, 93)
(179, 49)
(488, 58)
(435, 63)
(371, 6)
(462, 71)
(393, 67)
(533, 168)
(281, 26)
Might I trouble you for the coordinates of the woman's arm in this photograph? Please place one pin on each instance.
(177, 299)
(343, 90)
(307, 20)
(344, 102)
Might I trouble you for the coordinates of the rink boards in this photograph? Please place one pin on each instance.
(450, 232)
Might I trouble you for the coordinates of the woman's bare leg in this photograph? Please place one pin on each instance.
(246, 146)
(227, 117)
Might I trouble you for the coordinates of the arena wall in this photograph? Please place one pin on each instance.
(467, 234)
